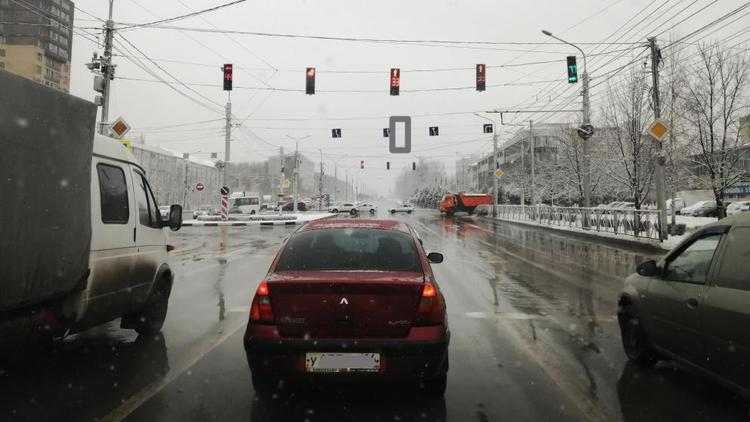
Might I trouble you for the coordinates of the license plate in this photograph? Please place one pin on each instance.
(342, 362)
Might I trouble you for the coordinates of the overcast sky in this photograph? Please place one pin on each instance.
(278, 64)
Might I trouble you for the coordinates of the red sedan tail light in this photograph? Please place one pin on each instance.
(431, 308)
(261, 311)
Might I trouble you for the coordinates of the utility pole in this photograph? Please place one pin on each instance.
(660, 159)
(320, 183)
(103, 66)
(533, 161)
(227, 137)
(295, 178)
(335, 182)
(494, 162)
(281, 181)
(523, 173)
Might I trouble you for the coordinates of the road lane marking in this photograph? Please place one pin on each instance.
(146, 393)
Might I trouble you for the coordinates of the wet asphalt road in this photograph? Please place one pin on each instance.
(534, 337)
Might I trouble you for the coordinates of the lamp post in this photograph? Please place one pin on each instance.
(494, 162)
(586, 123)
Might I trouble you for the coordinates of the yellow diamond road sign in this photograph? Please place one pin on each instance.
(498, 173)
(119, 128)
(658, 130)
(286, 183)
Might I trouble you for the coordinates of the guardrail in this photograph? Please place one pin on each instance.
(618, 221)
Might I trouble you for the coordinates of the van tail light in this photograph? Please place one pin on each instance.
(431, 310)
(261, 311)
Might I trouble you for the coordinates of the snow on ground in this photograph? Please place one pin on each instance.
(299, 218)
(691, 224)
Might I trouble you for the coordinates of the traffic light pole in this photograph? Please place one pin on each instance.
(661, 202)
(586, 122)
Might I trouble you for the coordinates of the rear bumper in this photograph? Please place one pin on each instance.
(423, 354)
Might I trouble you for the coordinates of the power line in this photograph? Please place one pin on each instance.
(180, 17)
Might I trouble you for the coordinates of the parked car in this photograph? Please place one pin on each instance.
(344, 207)
(407, 208)
(367, 207)
(289, 206)
(352, 300)
(205, 210)
(737, 207)
(679, 204)
(690, 306)
(701, 209)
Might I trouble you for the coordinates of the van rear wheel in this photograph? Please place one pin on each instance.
(151, 318)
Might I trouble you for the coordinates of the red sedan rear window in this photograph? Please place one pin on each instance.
(350, 249)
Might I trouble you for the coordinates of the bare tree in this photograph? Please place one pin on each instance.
(714, 94)
(626, 112)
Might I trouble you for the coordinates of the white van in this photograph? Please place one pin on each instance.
(128, 272)
(245, 203)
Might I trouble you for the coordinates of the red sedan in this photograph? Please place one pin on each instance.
(350, 299)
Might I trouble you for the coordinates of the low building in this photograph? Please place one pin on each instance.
(174, 179)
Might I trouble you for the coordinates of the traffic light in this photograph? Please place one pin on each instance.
(395, 80)
(228, 77)
(413, 165)
(310, 81)
(362, 164)
(481, 81)
(387, 165)
(572, 70)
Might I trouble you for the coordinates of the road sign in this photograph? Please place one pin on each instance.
(224, 208)
(335, 133)
(224, 190)
(200, 186)
(499, 173)
(286, 183)
(392, 141)
(434, 131)
(658, 129)
(487, 128)
(586, 131)
(119, 128)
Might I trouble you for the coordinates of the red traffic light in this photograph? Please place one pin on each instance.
(362, 164)
(395, 80)
(310, 81)
(481, 77)
(228, 77)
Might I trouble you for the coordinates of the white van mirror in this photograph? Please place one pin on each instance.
(175, 218)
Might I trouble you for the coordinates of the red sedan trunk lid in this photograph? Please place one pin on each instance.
(344, 304)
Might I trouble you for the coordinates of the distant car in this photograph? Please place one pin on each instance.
(679, 204)
(289, 206)
(701, 209)
(691, 305)
(407, 208)
(738, 207)
(367, 207)
(352, 300)
(344, 207)
(205, 210)
(164, 211)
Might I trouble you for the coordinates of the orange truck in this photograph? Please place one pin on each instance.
(455, 202)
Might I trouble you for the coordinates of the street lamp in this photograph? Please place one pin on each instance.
(586, 123)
